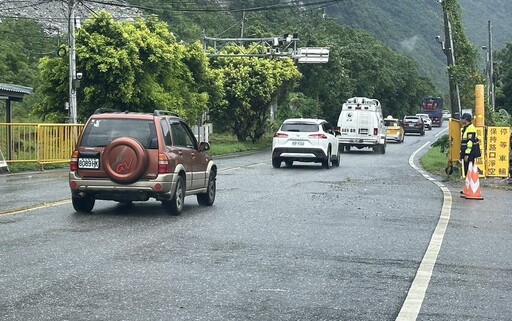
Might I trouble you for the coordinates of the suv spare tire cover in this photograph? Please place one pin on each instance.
(124, 160)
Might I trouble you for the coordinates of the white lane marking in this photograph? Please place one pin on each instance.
(227, 169)
(414, 300)
(257, 164)
(442, 131)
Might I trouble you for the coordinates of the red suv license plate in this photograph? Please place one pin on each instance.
(88, 163)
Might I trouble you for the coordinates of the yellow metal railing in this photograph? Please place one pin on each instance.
(40, 143)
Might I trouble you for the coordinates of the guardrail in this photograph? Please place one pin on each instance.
(39, 143)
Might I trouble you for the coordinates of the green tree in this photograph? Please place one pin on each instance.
(133, 66)
(359, 65)
(251, 85)
(297, 105)
(22, 43)
(504, 79)
(465, 71)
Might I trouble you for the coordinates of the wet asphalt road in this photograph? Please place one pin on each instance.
(299, 243)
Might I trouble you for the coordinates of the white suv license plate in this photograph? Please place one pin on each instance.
(298, 143)
(89, 163)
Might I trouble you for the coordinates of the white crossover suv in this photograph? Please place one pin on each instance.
(305, 140)
(426, 120)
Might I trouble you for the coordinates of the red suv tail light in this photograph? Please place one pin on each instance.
(319, 136)
(163, 164)
(73, 164)
(280, 135)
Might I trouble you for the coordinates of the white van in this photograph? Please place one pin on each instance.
(361, 125)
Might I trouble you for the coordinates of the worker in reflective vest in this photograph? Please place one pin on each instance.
(470, 146)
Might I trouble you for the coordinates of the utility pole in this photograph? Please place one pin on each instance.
(487, 77)
(72, 63)
(491, 83)
(242, 25)
(450, 57)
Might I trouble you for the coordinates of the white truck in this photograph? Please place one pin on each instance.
(361, 125)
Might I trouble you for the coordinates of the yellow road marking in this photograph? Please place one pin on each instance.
(32, 208)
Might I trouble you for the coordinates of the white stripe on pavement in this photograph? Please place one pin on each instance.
(414, 300)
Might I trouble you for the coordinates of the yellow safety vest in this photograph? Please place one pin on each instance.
(468, 141)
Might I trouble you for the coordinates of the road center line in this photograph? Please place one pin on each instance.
(414, 300)
(36, 207)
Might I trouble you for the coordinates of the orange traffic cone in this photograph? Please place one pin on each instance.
(472, 187)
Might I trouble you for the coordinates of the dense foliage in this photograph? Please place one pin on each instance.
(158, 63)
(251, 85)
(503, 81)
(465, 70)
(133, 66)
(22, 43)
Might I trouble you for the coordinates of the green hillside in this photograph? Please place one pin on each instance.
(410, 27)
(407, 26)
(382, 48)
(476, 15)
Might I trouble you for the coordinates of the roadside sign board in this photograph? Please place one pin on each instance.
(312, 55)
(498, 151)
(480, 161)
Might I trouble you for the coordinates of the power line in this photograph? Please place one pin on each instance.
(283, 5)
(216, 8)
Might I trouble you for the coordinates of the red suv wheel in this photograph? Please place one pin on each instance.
(124, 160)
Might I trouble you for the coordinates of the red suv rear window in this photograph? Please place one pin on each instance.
(99, 132)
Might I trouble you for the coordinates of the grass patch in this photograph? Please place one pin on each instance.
(31, 167)
(225, 144)
(435, 161)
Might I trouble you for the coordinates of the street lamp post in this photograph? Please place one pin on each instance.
(72, 63)
(489, 70)
(492, 87)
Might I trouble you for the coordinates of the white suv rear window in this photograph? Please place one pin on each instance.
(299, 127)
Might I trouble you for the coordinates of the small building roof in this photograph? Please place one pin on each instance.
(14, 92)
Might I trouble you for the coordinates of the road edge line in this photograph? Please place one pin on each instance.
(416, 294)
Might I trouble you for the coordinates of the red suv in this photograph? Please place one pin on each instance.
(126, 157)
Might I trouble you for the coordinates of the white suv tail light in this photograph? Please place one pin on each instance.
(318, 136)
(280, 135)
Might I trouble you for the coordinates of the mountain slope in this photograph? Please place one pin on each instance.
(410, 27)
(477, 13)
